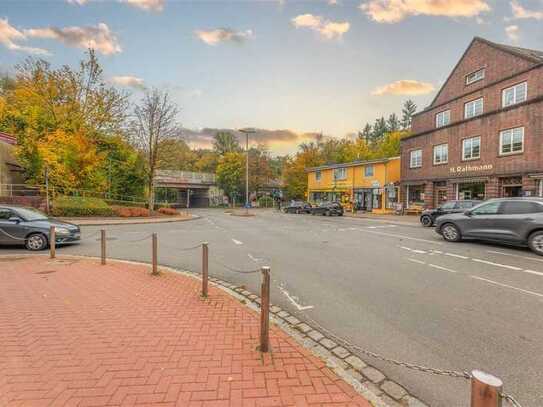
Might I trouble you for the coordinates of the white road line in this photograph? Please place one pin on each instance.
(237, 242)
(459, 256)
(255, 259)
(505, 266)
(403, 237)
(442, 268)
(515, 255)
(508, 286)
(293, 301)
(416, 261)
(537, 273)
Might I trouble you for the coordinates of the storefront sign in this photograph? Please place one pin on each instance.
(470, 168)
(375, 184)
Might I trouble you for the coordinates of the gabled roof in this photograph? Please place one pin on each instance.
(7, 138)
(531, 55)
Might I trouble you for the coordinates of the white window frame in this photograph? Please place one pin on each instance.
(436, 162)
(473, 103)
(366, 169)
(511, 131)
(464, 158)
(475, 76)
(418, 163)
(343, 175)
(318, 175)
(515, 88)
(441, 116)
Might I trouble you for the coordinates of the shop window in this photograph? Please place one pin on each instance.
(415, 159)
(475, 76)
(441, 154)
(473, 108)
(318, 175)
(340, 173)
(368, 171)
(515, 94)
(416, 194)
(443, 118)
(474, 190)
(512, 141)
(471, 148)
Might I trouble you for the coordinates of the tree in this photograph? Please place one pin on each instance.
(155, 120)
(230, 174)
(409, 109)
(379, 130)
(175, 154)
(366, 133)
(207, 161)
(225, 142)
(393, 124)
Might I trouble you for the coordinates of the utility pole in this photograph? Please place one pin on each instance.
(247, 131)
(47, 189)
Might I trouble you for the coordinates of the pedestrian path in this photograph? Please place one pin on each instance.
(73, 332)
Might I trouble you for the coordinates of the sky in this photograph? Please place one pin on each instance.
(290, 68)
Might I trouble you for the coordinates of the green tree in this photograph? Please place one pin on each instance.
(379, 130)
(175, 154)
(409, 109)
(230, 172)
(393, 124)
(225, 142)
(366, 133)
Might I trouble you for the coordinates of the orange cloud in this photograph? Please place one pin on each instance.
(519, 12)
(326, 28)
(404, 87)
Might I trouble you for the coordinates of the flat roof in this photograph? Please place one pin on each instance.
(352, 164)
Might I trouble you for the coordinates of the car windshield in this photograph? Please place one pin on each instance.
(31, 214)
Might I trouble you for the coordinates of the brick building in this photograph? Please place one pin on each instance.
(482, 136)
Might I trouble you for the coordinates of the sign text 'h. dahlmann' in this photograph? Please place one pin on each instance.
(470, 168)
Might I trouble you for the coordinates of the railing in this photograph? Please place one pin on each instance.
(188, 177)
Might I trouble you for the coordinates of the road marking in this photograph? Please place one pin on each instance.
(442, 268)
(416, 261)
(515, 255)
(497, 264)
(456, 255)
(237, 242)
(255, 259)
(403, 237)
(293, 301)
(537, 273)
(417, 251)
(508, 286)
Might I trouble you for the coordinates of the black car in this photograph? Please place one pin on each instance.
(328, 209)
(297, 207)
(30, 227)
(429, 216)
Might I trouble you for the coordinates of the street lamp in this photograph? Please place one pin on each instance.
(247, 131)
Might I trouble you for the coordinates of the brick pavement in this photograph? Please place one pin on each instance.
(74, 333)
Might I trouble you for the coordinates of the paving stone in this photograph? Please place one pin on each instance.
(322, 352)
(303, 327)
(334, 362)
(253, 297)
(393, 389)
(372, 388)
(283, 314)
(373, 374)
(293, 320)
(315, 335)
(356, 375)
(309, 343)
(275, 309)
(328, 343)
(341, 352)
(246, 293)
(389, 401)
(356, 362)
(411, 401)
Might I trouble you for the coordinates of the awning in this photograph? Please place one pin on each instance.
(535, 176)
(469, 180)
(414, 183)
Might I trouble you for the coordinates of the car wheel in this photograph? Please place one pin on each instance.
(451, 233)
(36, 242)
(426, 221)
(535, 241)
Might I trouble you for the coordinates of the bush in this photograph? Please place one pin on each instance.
(80, 206)
(265, 202)
(167, 211)
(131, 211)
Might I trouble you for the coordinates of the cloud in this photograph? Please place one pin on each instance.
(333, 2)
(78, 2)
(326, 28)
(9, 36)
(404, 87)
(147, 5)
(513, 33)
(98, 37)
(214, 37)
(393, 11)
(519, 12)
(129, 81)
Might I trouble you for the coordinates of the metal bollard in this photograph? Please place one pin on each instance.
(205, 268)
(265, 311)
(485, 390)
(155, 255)
(103, 246)
(52, 242)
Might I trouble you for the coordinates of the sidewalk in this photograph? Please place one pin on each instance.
(92, 221)
(73, 332)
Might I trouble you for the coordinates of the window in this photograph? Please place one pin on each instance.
(475, 76)
(471, 148)
(318, 175)
(519, 208)
(512, 141)
(465, 204)
(5, 214)
(448, 205)
(515, 94)
(340, 173)
(443, 118)
(441, 154)
(491, 208)
(473, 108)
(368, 171)
(416, 159)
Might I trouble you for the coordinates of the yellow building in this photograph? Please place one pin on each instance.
(371, 186)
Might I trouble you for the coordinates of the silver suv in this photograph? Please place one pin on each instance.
(515, 221)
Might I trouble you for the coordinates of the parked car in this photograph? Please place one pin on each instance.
(328, 209)
(514, 221)
(30, 227)
(429, 216)
(297, 207)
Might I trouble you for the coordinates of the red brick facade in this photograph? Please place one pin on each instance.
(492, 174)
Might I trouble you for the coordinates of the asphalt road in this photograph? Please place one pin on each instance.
(395, 289)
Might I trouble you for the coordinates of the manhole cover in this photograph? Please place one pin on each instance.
(46, 272)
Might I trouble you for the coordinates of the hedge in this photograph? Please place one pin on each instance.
(80, 206)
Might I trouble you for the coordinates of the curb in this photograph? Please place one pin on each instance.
(368, 381)
(139, 221)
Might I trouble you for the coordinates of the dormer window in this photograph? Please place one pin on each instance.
(475, 76)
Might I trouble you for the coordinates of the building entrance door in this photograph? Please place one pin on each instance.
(512, 191)
(440, 197)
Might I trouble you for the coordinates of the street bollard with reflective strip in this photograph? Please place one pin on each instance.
(155, 255)
(103, 246)
(485, 390)
(205, 268)
(52, 242)
(265, 311)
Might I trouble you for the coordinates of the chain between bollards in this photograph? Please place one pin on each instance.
(52, 242)
(155, 254)
(205, 268)
(265, 311)
(103, 246)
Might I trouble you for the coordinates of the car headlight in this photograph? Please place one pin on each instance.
(62, 231)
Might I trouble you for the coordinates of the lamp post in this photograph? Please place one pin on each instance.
(247, 131)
